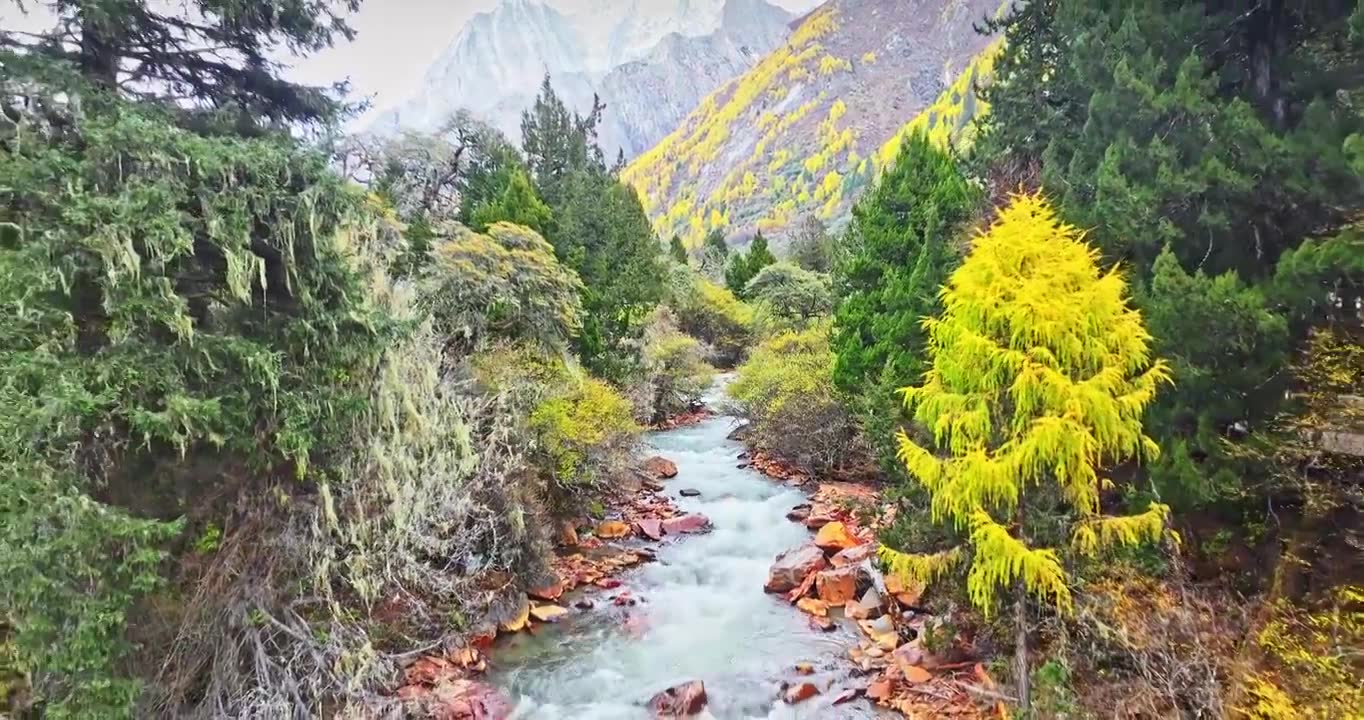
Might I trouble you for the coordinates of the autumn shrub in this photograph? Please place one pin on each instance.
(712, 314)
(505, 284)
(675, 372)
(585, 436)
(1312, 660)
(785, 389)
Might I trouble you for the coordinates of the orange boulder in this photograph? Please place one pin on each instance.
(835, 536)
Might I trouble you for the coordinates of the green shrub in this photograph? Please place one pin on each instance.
(585, 437)
(786, 391)
(675, 370)
(502, 285)
(712, 314)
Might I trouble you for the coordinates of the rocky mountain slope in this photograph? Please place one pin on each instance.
(651, 61)
(814, 122)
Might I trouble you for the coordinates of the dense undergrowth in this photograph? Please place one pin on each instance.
(269, 428)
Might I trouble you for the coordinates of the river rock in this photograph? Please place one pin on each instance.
(836, 586)
(792, 567)
(612, 529)
(848, 695)
(568, 534)
(853, 555)
(464, 699)
(881, 631)
(835, 536)
(547, 613)
(660, 467)
(798, 513)
(802, 589)
(818, 608)
(650, 528)
(693, 523)
(800, 692)
(519, 619)
(679, 701)
(815, 522)
(914, 655)
(689, 492)
(548, 593)
(870, 606)
(805, 669)
(823, 624)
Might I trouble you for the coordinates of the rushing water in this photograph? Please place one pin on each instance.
(702, 615)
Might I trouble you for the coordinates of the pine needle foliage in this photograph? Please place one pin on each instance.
(1039, 374)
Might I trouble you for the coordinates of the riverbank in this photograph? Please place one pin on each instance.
(449, 683)
(697, 617)
(908, 659)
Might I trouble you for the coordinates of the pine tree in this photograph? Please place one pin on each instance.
(558, 143)
(677, 250)
(745, 266)
(899, 249)
(519, 204)
(209, 54)
(899, 253)
(1039, 374)
(812, 247)
(602, 232)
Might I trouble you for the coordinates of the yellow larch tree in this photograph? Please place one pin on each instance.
(1040, 371)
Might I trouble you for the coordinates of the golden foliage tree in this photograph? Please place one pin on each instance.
(1039, 375)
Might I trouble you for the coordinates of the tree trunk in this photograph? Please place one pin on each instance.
(1265, 41)
(1021, 675)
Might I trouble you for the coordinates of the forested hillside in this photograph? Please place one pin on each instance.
(814, 123)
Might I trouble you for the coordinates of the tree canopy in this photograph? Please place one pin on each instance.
(1040, 373)
(215, 55)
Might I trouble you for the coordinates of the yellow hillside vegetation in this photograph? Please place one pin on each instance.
(949, 118)
(777, 165)
(1040, 373)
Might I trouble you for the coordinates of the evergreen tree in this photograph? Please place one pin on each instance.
(1197, 139)
(745, 266)
(558, 143)
(899, 251)
(518, 205)
(209, 55)
(677, 250)
(1039, 373)
(600, 230)
(812, 247)
(715, 246)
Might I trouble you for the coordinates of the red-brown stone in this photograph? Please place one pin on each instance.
(679, 701)
(686, 524)
(792, 567)
(660, 467)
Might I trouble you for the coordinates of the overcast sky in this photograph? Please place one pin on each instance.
(396, 41)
